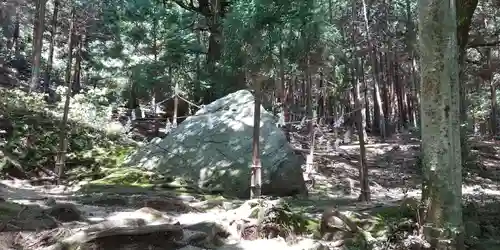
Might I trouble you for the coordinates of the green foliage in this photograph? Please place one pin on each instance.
(150, 45)
(254, 30)
(126, 176)
(37, 134)
(289, 220)
(395, 223)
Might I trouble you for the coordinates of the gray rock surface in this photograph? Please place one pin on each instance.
(213, 149)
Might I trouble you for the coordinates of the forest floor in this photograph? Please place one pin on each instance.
(394, 174)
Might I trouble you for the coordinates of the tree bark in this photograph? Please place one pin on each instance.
(76, 84)
(38, 29)
(63, 142)
(361, 127)
(256, 179)
(464, 11)
(53, 33)
(379, 121)
(16, 35)
(440, 104)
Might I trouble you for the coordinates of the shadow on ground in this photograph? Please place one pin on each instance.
(482, 221)
(52, 214)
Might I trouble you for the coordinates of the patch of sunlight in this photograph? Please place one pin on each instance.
(180, 136)
(267, 146)
(206, 172)
(178, 150)
(150, 162)
(475, 189)
(156, 140)
(198, 160)
(235, 172)
(241, 160)
(241, 123)
(24, 202)
(209, 122)
(149, 218)
(376, 171)
(237, 147)
(96, 219)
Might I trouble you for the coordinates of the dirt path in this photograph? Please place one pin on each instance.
(394, 174)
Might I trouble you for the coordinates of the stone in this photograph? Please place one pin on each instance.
(6, 128)
(210, 234)
(170, 205)
(65, 212)
(213, 150)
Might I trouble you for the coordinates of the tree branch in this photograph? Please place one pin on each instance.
(483, 44)
(187, 6)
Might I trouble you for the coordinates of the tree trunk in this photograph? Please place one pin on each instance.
(215, 37)
(53, 33)
(365, 95)
(63, 142)
(494, 109)
(361, 127)
(379, 117)
(320, 109)
(440, 103)
(488, 80)
(283, 95)
(38, 29)
(156, 92)
(256, 180)
(385, 93)
(16, 35)
(464, 12)
(399, 89)
(309, 104)
(76, 84)
(410, 49)
(416, 93)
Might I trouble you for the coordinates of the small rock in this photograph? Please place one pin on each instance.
(148, 215)
(110, 201)
(187, 198)
(65, 212)
(208, 204)
(216, 233)
(168, 204)
(196, 238)
(49, 201)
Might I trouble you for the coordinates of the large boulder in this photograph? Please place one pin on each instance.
(213, 149)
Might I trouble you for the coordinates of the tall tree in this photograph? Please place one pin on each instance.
(256, 179)
(38, 29)
(63, 141)
(440, 110)
(464, 11)
(53, 33)
(213, 11)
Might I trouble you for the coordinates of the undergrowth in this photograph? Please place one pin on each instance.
(92, 151)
